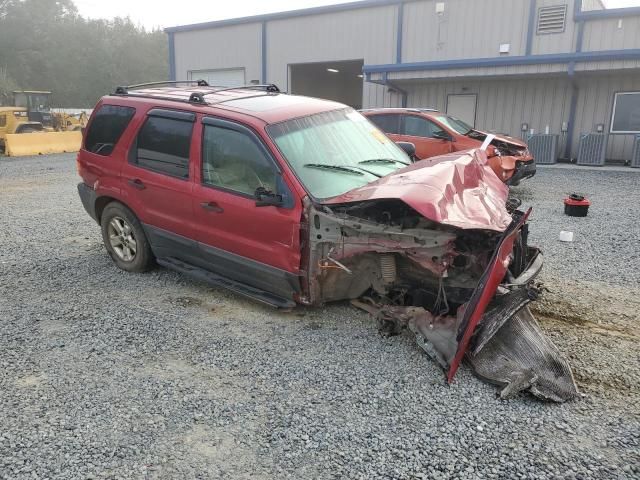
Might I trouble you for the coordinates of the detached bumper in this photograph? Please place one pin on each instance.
(88, 198)
(523, 170)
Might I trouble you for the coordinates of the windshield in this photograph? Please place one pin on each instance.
(337, 151)
(455, 124)
(36, 102)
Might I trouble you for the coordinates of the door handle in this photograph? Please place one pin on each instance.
(212, 207)
(137, 183)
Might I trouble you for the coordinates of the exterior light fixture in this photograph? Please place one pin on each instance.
(360, 76)
(333, 70)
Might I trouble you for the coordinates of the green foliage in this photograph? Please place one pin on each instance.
(46, 45)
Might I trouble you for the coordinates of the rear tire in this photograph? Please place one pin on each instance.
(124, 239)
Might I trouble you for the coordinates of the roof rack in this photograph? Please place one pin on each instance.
(196, 97)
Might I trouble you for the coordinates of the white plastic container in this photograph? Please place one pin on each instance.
(566, 236)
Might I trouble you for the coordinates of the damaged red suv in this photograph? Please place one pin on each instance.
(294, 200)
(435, 133)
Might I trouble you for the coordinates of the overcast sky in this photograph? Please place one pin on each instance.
(155, 13)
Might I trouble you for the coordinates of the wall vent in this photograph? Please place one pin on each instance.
(635, 158)
(552, 19)
(544, 148)
(592, 149)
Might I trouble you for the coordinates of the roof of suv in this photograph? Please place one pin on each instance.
(264, 102)
(401, 110)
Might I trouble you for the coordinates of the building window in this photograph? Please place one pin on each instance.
(552, 19)
(3, 120)
(626, 113)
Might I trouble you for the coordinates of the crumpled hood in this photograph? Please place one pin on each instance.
(504, 138)
(459, 189)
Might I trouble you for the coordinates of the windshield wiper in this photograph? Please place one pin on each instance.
(382, 160)
(340, 168)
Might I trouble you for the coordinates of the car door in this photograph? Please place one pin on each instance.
(420, 131)
(157, 181)
(256, 245)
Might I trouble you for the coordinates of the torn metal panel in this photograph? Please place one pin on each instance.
(520, 357)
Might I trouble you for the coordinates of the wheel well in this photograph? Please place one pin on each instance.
(101, 204)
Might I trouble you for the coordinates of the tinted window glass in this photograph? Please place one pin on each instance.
(233, 160)
(419, 127)
(387, 123)
(107, 126)
(163, 146)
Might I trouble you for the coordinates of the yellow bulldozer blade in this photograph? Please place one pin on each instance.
(41, 143)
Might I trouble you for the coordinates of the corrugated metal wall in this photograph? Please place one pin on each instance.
(595, 104)
(454, 33)
(227, 47)
(368, 34)
(504, 105)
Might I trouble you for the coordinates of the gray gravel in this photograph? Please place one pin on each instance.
(105, 374)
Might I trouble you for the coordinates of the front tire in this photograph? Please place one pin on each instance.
(124, 239)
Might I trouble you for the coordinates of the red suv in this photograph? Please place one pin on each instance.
(291, 199)
(435, 133)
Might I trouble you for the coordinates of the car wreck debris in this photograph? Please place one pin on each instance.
(457, 273)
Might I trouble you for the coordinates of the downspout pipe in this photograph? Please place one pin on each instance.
(386, 83)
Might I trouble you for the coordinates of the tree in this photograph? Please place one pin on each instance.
(46, 45)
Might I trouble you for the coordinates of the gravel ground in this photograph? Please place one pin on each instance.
(105, 374)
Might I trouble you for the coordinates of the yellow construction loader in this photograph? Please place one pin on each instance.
(29, 127)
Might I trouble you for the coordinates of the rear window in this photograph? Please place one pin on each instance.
(163, 146)
(106, 128)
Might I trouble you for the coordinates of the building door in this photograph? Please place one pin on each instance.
(463, 107)
(230, 77)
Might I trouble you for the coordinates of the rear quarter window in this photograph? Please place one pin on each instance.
(106, 128)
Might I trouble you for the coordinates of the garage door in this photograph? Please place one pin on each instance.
(462, 107)
(223, 78)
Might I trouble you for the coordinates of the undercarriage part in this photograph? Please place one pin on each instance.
(520, 358)
(388, 268)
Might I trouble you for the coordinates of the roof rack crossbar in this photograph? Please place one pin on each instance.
(269, 88)
(123, 90)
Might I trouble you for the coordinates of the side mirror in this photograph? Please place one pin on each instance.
(442, 135)
(266, 198)
(409, 148)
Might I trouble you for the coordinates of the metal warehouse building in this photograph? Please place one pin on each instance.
(563, 67)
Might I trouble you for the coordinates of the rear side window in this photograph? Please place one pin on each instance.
(387, 123)
(106, 128)
(163, 146)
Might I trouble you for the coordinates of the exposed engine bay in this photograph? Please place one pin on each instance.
(460, 291)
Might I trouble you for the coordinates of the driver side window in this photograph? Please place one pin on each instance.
(232, 160)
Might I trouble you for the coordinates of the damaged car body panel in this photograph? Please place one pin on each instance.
(426, 247)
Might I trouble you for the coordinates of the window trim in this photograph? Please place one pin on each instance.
(169, 115)
(227, 124)
(613, 115)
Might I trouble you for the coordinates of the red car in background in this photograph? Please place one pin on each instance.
(435, 133)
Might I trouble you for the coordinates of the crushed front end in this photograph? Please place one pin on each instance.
(454, 268)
